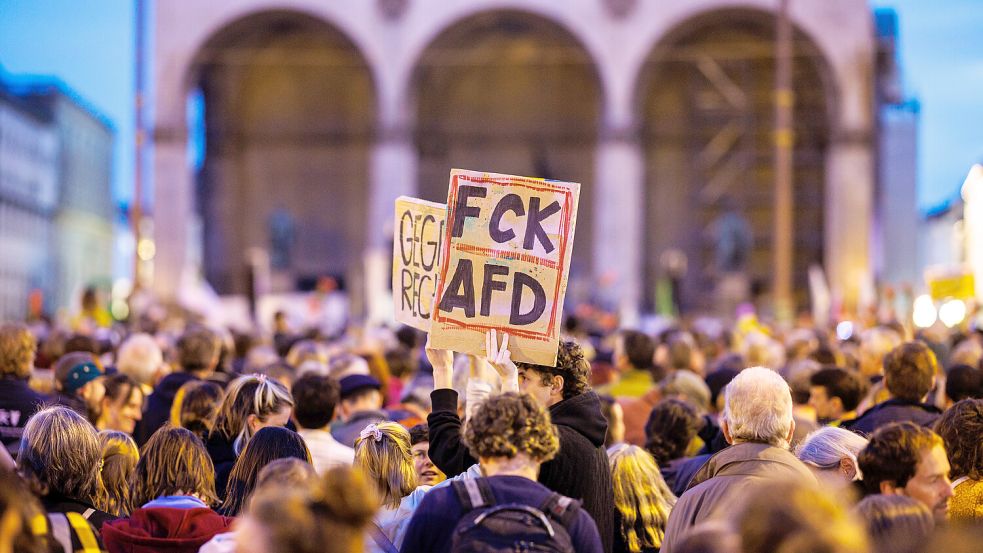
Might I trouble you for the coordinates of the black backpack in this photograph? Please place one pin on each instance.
(487, 527)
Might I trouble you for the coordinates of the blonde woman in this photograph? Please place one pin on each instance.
(382, 452)
(251, 402)
(119, 460)
(642, 500)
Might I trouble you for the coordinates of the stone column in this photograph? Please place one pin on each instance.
(850, 216)
(392, 173)
(173, 210)
(618, 219)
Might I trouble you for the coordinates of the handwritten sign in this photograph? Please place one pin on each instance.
(419, 228)
(504, 263)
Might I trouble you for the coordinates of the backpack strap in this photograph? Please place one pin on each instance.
(83, 530)
(88, 513)
(380, 539)
(473, 493)
(561, 508)
(61, 531)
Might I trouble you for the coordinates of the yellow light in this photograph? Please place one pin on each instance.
(952, 312)
(923, 311)
(146, 249)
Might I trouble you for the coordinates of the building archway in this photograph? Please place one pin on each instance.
(706, 97)
(509, 92)
(284, 137)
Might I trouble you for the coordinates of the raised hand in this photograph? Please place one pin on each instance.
(500, 358)
(442, 361)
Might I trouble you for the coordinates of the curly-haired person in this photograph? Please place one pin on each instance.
(580, 470)
(961, 427)
(511, 436)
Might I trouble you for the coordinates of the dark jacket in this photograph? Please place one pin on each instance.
(164, 530)
(678, 473)
(57, 503)
(432, 526)
(729, 476)
(157, 411)
(579, 470)
(17, 403)
(893, 410)
(224, 458)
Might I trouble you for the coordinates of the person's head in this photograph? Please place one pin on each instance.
(909, 371)
(359, 392)
(906, 459)
(615, 415)
(141, 358)
(688, 386)
(20, 513)
(641, 497)
(896, 523)
(758, 408)
(672, 425)
(834, 392)
(875, 343)
(382, 451)
(198, 350)
(718, 380)
(122, 405)
(196, 405)
(963, 382)
(783, 516)
(174, 462)
(331, 516)
(634, 350)
(79, 375)
(570, 376)
(511, 431)
(831, 454)
(427, 474)
(252, 402)
(17, 350)
(269, 444)
(680, 348)
(307, 350)
(60, 455)
(315, 398)
(119, 461)
(286, 471)
(961, 429)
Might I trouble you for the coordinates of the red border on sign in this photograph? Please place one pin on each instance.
(533, 184)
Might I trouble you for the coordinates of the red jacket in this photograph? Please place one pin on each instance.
(164, 530)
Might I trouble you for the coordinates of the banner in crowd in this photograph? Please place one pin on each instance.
(504, 263)
(418, 231)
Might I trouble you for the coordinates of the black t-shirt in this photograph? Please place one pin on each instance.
(18, 402)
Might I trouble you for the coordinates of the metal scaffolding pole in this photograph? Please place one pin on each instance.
(784, 229)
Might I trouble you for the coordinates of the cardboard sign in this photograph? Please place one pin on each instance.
(418, 231)
(505, 263)
(950, 283)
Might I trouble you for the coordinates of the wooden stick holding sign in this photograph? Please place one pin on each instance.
(504, 263)
(419, 230)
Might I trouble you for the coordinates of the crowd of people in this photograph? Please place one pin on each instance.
(697, 438)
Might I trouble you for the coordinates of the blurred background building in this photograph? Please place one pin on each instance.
(56, 232)
(306, 122)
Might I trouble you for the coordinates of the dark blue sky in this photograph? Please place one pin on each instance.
(89, 46)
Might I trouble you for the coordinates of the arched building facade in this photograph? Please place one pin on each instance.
(329, 110)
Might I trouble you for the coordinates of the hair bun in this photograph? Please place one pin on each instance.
(345, 494)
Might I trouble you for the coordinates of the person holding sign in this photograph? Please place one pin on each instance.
(580, 469)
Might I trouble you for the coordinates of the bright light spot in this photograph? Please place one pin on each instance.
(844, 330)
(122, 288)
(120, 310)
(146, 249)
(973, 182)
(924, 313)
(952, 312)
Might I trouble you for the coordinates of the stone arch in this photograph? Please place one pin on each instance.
(522, 95)
(705, 99)
(289, 116)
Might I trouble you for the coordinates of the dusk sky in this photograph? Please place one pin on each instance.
(90, 47)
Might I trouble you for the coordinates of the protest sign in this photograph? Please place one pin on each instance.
(418, 230)
(504, 263)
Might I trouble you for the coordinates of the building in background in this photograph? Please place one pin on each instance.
(29, 189)
(70, 239)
